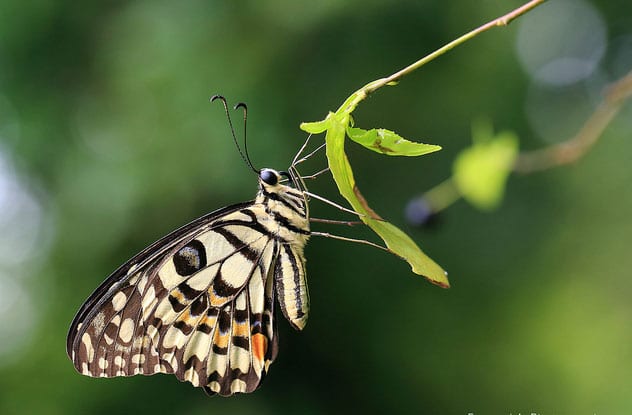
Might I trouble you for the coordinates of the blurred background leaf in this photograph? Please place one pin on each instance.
(480, 171)
(107, 142)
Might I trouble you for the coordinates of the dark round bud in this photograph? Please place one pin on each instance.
(419, 212)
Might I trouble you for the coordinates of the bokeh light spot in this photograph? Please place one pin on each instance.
(562, 42)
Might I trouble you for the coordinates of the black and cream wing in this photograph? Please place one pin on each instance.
(198, 303)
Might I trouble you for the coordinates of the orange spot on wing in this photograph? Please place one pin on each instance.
(259, 346)
(240, 329)
(221, 340)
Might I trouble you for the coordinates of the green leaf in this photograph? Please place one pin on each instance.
(316, 127)
(388, 142)
(403, 246)
(396, 241)
(480, 172)
(337, 124)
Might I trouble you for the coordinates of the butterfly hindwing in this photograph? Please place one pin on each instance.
(291, 284)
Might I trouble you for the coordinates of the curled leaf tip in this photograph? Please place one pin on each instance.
(441, 284)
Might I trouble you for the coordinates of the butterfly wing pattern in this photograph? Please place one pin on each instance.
(199, 303)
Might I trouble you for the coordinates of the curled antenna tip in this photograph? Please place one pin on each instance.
(244, 154)
(240, 105)
(214, 97)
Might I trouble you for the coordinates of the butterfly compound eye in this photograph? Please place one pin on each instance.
(269, 177)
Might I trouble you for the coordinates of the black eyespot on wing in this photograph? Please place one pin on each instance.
(191, 258)
(269, 177)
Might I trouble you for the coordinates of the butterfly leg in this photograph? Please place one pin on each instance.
(315, 175)
(300, 150)
(336, 222)
(320, 147)
(360, 241)
(329, 202)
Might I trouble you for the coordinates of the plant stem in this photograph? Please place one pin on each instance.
(442, 195)
(352, 102)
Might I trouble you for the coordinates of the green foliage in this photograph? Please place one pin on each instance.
(388, 142)
(480, 171)
(400, 244)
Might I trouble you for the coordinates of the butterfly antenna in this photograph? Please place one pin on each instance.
(232, 131)
(244, 107)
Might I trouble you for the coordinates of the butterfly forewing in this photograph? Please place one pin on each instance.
(199, 303)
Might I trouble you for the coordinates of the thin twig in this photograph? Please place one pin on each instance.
(350, 104)
(574, 148)
(442, 195)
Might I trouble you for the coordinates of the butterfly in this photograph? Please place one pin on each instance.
(200, 302)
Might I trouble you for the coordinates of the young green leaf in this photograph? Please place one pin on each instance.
(316, 127)
(389, 142)
(481, 171)
(396, 240)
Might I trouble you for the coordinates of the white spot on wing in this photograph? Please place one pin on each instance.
(238, 385)
(120, 362)
(127, 330)
(214, 386)
(173, 337)
(152, 335)
(142, 284)
(256, 292)
(118, 301)
(87, 342)
(239, 359)
(165, 311)
(201, 280)
(238, 215)
(192, 376)
(217, 247)
(148, 298)
(198, 345)
(168, 276)
(240, 301)
(217, 363)
(235, 270)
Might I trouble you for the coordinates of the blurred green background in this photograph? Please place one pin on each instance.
(107, 142)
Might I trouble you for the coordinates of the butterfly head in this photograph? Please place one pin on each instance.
(275, 186)
(271, 180)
